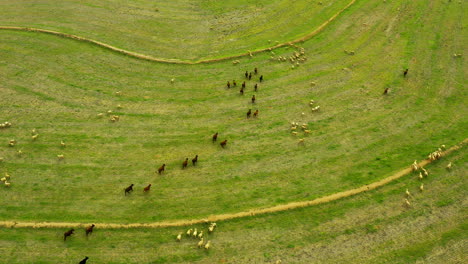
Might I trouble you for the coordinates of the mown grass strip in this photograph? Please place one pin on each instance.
(177, 61)
(224, 217)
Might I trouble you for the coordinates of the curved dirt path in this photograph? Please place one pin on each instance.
(223, 217)
(176, 61)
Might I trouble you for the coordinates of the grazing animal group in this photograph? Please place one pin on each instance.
(130, 189)
(194, 233)
(88, 231)
(248, 76)
(423, 173)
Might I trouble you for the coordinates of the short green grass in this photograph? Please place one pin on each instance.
(208, 28)
(58, 86)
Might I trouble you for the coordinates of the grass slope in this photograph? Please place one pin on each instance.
(209, 29)
(58, 86)
(371, 228)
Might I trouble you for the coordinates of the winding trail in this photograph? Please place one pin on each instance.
(176, 61)
(223, 217)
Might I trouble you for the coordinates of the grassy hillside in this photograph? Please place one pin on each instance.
(370, 228)
(59, 86)
(167, 29)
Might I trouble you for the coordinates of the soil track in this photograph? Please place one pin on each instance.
(223, 217)
(176, 61)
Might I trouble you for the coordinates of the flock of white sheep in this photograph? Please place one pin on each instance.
(5, 125)
(423, 173)
(304, 127)
(13, 143)
(296, 58)
(196, 234)
(6, 179)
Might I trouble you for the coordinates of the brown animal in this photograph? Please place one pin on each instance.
(89, 229)
(255, 87)
(68, 233)
(185, 163)
(228, 85)
(250, 76)
(129, 189)
(223, 143)
(241, 91)
(255, 70)
(161, 169)
(249, 113)
(194, 160)
(405, 73)
(246, 74)
(253, 99)
(215, 136)
(261, 78)
(147, 188)
(255, 113)
(243, 85)
(386, 91)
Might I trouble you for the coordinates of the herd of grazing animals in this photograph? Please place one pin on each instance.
(248, 75)
(423, 173)
(194, 233)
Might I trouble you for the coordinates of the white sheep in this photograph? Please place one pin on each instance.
(208, 245)
(200, 243)
(3, 179)
(301, 141)
(119, 106)
(294, 133)
(189, 232)
(62, 144)
(195, 233)
(211, 227)
(407, 203)
(420, 176)
(172, 80)
(408, 193)
(19, 152)
(60, 156)
(34, 137)
(118, 93)
(7, 184)
(1, 159)
(421, 188)
(415, 166)
(100, 115)
(307, 131)
(200, 235)
(33, 131)
(114, 118)
(293, 128)
(449, 166)
(425, 172)
(179, 237)
(12, 143)
(314, 109)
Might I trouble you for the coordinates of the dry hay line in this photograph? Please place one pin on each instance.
(223, 217)
(176, 61)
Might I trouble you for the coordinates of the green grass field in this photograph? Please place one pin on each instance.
(58, 86)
